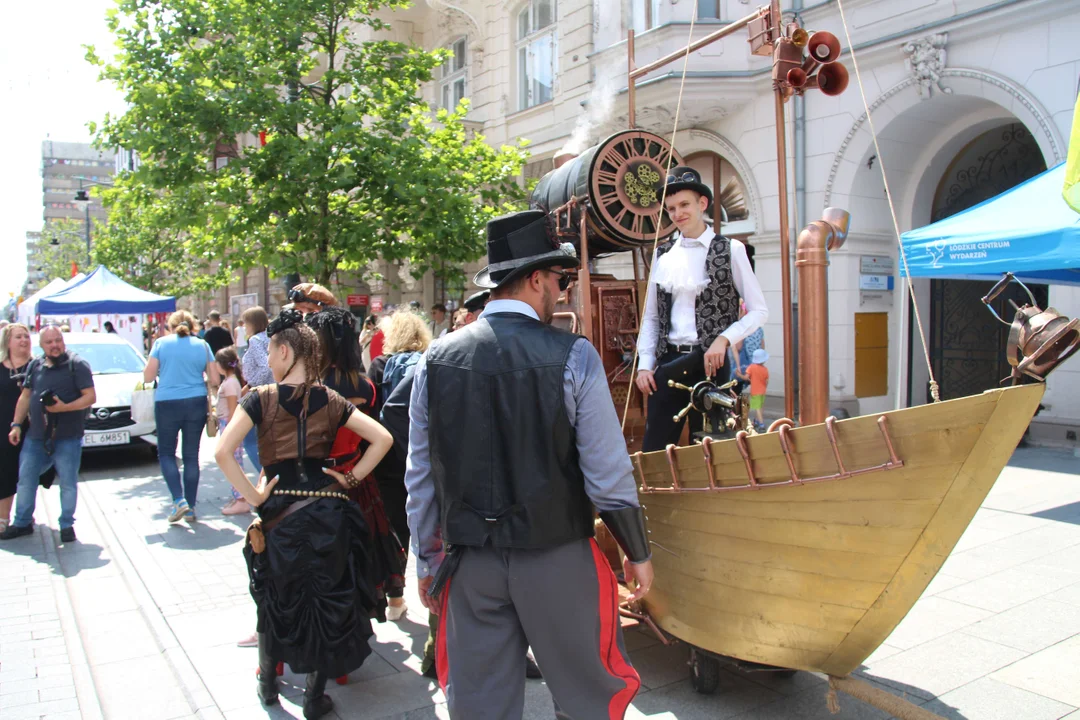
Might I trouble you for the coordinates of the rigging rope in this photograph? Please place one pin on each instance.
(663, 197)
(935, 391)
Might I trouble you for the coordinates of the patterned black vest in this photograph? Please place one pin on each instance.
(716, 307)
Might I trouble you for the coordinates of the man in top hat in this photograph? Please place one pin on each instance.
(691, 309)
(513, 440)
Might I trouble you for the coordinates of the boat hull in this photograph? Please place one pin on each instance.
(815, 576)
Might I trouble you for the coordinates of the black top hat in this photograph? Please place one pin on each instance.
(687, 178)
(518, 244)
(476, 301)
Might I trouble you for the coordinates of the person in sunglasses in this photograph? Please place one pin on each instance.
(311, 298)
(691, 309)
(513, 440)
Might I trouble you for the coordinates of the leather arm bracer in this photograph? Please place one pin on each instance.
(627, 526)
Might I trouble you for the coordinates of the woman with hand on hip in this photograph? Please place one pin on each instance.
(307, 555)
(183, 366)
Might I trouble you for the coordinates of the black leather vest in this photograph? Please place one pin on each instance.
(503, 452)
(716, 307)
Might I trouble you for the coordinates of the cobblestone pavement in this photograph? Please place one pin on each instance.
(139, 619)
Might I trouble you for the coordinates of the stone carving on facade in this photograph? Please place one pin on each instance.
(926, 63)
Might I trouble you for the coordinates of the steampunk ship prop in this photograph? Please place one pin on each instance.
(803, 547)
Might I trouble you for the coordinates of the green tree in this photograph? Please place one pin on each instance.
(355, 166)
(156, 239)
(63, 243)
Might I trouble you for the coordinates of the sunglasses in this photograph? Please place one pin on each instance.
(685, 177)
(564, 278)
(296, 296)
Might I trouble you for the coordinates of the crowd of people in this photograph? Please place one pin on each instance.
(484, 442)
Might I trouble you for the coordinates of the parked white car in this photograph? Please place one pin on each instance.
(117, 368)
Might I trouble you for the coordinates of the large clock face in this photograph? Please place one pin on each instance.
(626, 185)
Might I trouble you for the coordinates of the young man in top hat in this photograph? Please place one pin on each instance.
(691, 308)
(513, 440)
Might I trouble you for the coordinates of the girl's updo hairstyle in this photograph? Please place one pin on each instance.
(289, 329)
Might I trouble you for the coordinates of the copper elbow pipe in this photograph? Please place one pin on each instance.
(812, 267)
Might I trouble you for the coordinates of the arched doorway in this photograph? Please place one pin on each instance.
(966, 342)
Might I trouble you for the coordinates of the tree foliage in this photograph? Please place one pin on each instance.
(157, 239)
(355, 166)
(62, 244)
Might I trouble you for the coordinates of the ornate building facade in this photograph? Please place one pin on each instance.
(967, 98)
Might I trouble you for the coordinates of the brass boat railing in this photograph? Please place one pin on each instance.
(786, 444)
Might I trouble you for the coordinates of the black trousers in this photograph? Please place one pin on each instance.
(661, 429)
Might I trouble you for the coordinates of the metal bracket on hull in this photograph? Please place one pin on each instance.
(786, 444)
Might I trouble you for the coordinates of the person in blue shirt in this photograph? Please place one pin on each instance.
(183, 365)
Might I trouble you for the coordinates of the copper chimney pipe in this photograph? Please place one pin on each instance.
(812, 267)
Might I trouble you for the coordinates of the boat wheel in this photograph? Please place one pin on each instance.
(704, 672)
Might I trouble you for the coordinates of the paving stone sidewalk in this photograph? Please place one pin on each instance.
(160, 607)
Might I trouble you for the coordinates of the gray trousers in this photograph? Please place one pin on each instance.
(563, 602)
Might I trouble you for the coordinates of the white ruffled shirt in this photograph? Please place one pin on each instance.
(681, 272)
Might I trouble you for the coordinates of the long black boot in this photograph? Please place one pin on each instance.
(267, 688)
(316, 702)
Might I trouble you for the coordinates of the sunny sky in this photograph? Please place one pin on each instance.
(49, 91)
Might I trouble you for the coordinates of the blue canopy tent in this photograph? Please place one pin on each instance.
(1029, 231)
(103, 293)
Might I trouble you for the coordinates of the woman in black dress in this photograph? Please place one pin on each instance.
(15, 356)
(309, 564)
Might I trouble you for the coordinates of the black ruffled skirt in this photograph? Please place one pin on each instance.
(312, 586)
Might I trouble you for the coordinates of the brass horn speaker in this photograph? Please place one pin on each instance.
(832, 78)
(823, 47)
(799, 37)
(796, 77)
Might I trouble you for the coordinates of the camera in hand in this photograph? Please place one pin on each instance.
(48, 398)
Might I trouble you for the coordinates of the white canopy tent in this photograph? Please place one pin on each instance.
(28, 307)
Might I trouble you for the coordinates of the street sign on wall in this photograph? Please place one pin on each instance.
(875, 265)
(357, 300)
(376, 305)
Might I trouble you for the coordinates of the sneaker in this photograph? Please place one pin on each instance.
(180, 510)
(251, 641)
(15, 531)
(396, 612)
(236, 507)
(67, 535)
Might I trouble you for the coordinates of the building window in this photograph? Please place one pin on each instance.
(452, 87)
(708, 9)
(536, 48)
(644, 15)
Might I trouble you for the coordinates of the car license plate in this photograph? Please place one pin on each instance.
(106, 438)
